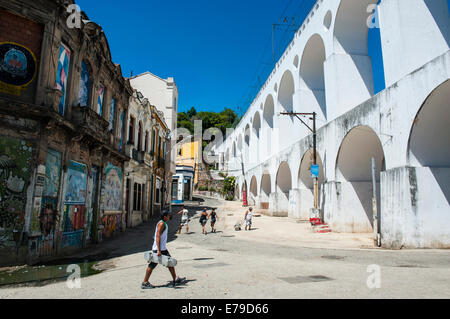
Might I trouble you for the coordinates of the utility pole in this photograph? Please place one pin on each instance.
(312, 117)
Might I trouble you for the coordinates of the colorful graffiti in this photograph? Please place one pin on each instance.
(112, 188)
(93, 207)
(76, 183)
(72, 239)
(111, 224)
(18, 68)
(85, 83)
(15, 168)
(74, 217)
(62, 75)
(53, 173)
(74, 208)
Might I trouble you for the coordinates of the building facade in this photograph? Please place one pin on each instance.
(64, 121)
(327, 70)
(145, 173)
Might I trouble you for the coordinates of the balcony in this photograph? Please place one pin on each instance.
(92, 123)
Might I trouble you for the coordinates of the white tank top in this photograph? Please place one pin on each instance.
(249, 215)
(162, 240)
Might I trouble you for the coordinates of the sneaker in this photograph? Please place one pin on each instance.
(147, 285)
(178, 282)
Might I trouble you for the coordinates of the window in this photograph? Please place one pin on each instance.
(157, 199)
(122, 115)
(153, 141)
(159, 145)
(85, 84)
(139, 146)
(131, 131)
(101, 93)
(138, 196)
(112, 113)
(62, 75)
(146, 141)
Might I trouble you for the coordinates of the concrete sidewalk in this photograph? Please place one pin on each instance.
(288, 231)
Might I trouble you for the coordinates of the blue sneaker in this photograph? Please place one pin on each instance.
(147, 285)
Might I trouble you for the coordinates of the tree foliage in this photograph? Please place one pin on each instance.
(222, 120)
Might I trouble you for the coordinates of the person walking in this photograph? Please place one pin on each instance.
(248, 218)
(159, 248)
(184, 219)
(203, 219)
(214, 217)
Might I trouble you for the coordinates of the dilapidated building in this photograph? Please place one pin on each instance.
(63, 103)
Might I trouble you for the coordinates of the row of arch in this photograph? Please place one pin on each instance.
(304, 80)
(427, 147)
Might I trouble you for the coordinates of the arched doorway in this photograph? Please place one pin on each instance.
(354, 174)
(285, 105)
(266, 190)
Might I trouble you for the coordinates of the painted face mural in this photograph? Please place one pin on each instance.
(48, 217)
(17, 67)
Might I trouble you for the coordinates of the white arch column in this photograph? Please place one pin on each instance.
(413, 33)
(348, 70)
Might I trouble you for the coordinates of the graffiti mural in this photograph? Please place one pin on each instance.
(93, 207)
(111, 224)
(62, 75)
(76, 183)
(75, 205)
(112, 188)
(18, 68)
(15, 168)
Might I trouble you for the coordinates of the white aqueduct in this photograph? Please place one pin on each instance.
(406, 127)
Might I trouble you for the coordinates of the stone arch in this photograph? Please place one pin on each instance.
(256, 125)
(305, 180)
(267, 125)
(247, 137)
(428, 140)
(312, 76)
(351, 30)
(256, 138)
(237, 194)
(285, 102)
(283, 180)
(286, 92)
(254, 186)
(354, 173)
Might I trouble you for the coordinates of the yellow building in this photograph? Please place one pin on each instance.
(189, 155)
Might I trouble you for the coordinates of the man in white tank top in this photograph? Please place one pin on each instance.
(159, 247)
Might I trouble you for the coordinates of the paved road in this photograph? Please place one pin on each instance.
(230, 264)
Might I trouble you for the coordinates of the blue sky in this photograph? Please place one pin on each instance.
(214, 49)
